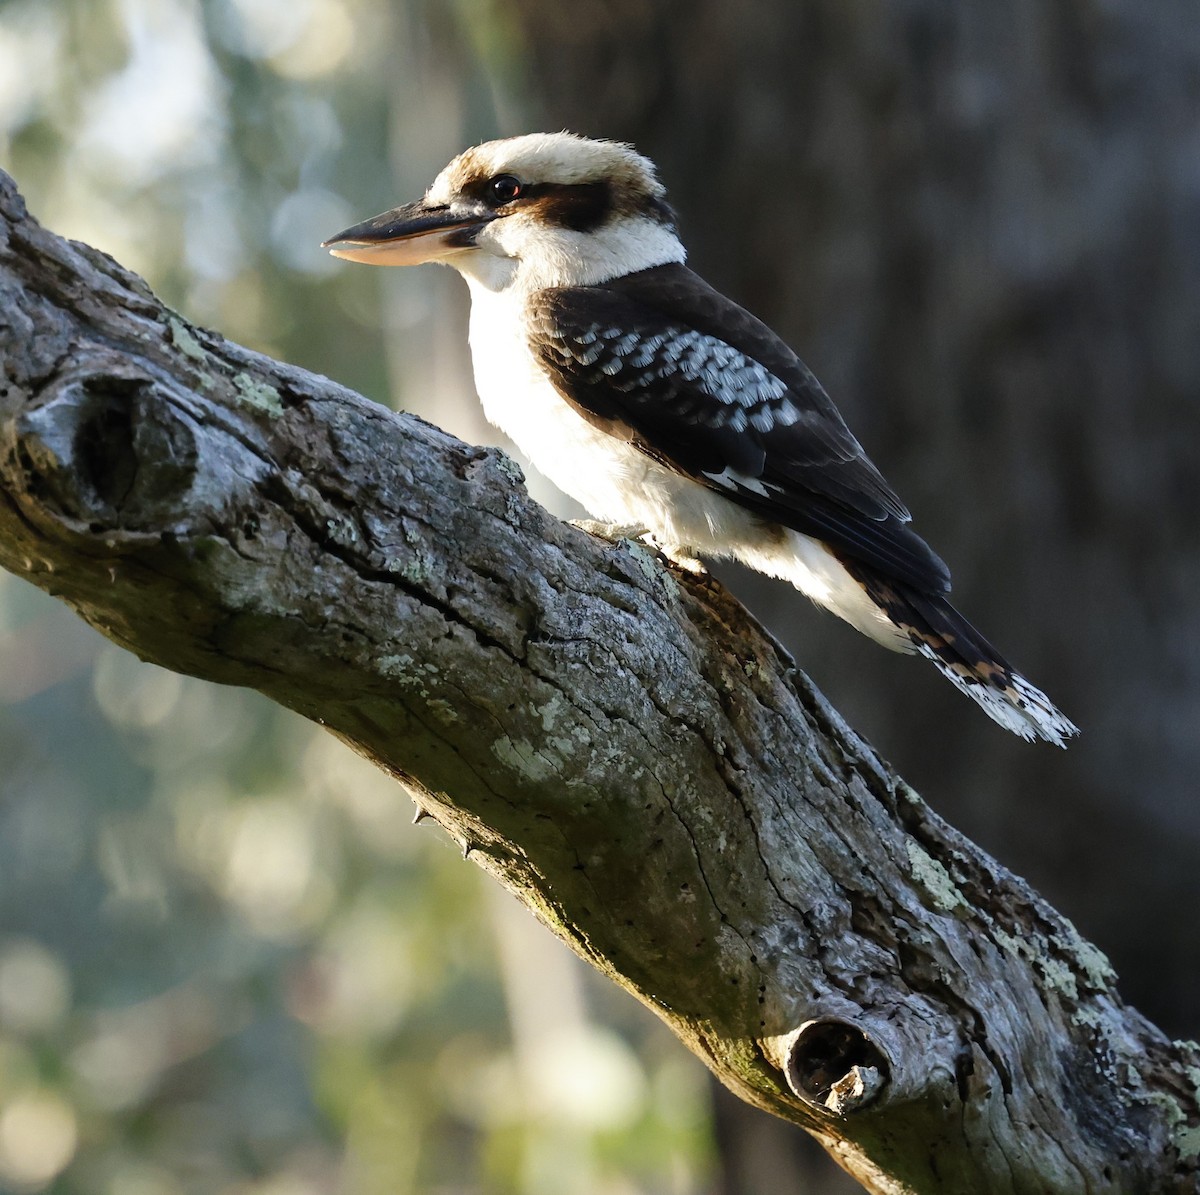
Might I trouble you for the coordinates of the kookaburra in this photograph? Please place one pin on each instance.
(660, 404)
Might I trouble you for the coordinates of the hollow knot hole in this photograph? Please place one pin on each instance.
(104, 444)
(836, 1066)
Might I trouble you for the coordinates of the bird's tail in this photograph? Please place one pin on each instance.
(937, 631)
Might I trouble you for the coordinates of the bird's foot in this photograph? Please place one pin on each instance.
(613, 531)
(675, 553)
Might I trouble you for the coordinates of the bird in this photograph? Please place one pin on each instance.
(667, 409)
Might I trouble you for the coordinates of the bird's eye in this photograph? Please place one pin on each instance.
(504, 188)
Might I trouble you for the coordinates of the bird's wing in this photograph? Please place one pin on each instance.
(661, 359)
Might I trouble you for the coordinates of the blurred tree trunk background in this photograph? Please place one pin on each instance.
(980, 225)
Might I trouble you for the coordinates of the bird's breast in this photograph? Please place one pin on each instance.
(608, 476)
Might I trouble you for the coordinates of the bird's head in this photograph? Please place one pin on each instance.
(545, 209)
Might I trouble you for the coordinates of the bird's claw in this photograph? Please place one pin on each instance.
(681, 557)
(676, 553)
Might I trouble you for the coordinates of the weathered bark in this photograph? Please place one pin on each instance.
(618, 744)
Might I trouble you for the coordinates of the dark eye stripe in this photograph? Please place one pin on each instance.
(581, 207)
(578, 206)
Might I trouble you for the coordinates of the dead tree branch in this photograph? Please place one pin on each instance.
(619, 744)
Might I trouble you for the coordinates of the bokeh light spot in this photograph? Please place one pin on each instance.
(38, 1136)
(35, 990)
(131, 694)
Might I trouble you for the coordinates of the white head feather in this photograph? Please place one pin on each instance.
(525, 250)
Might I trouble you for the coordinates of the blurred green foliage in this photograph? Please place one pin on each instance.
(228, 963)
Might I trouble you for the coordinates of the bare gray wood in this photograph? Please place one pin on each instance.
(617, 742)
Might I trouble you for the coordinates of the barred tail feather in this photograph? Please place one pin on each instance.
(1015, 704)
(938, 632)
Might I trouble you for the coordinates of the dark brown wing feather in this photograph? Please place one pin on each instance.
(698, 383)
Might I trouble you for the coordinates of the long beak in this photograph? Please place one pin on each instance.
(409, 235)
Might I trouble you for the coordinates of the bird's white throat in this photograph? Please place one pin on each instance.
(519, 255)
